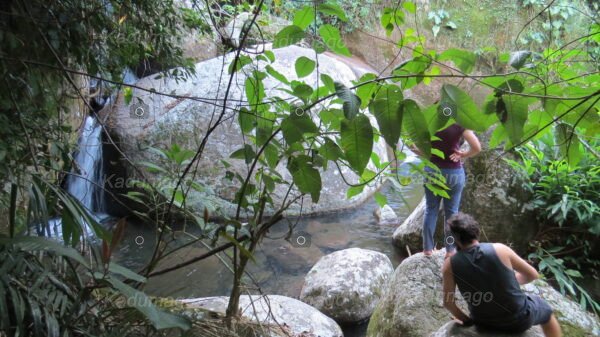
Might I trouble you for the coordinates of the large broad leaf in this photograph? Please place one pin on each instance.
(435, 118)
(304, 66)
(305, 176)
(333, 8)
(296, 125)
(159, 319)
(332, 38)
(330, 150)
(287, 36)
(357, 141)
(366, 91)
(568, 143)
(387, 109)
(415, 126)
(246, 119)
(304, 17)
(255, 90)
(410, 72)
(516, 116)
(464, 60)
(239, 63)
(351, 103)
(463, 109)
(264, 126)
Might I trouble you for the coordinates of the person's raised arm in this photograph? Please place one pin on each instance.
(448, 289)
(474, 146)
(524, 272)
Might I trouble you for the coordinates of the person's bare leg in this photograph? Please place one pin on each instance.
(552, 328)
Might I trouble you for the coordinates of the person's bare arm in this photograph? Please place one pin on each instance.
(449, 288)
(474, 147)
(524, 272)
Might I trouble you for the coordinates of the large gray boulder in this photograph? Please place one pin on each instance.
(574, 321)
(493, 195)
(452, 329)
(299, 317)
(184, 121)
(347, 284)
(412, 304)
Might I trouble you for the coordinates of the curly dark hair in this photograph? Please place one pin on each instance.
(464, 228)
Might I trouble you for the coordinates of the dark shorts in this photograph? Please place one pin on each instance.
(537, 311)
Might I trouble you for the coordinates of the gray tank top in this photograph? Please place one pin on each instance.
(488, 286)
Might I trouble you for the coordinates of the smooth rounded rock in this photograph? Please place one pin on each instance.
(299, 317)
(347, 285)
(386, 216)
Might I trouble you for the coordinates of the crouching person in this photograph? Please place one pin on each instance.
(488, 276)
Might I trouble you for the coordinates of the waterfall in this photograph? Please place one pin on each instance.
(85, 182)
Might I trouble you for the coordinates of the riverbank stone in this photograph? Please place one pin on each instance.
(452, 329)
(347, 285)
(412, 303)
(299, 317)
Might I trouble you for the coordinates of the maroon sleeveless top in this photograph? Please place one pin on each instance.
(449, 143)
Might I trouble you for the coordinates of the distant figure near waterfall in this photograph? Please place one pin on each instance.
(488, 276)
(452, 169)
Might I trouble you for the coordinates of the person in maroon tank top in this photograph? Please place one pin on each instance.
(452, 169)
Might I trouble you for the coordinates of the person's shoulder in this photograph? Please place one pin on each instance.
(502, 249)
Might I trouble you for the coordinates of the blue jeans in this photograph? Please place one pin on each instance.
(455, 180)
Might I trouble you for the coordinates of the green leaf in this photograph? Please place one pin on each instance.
(246, 120)
(330, 150)
(332, 8)
(247, 153)
(296, 125)
(288, 36)
(463, 108)
(351, 103)
(568, 143)
(413, 69)
(127, 95)
(151, 167)
(435, 118)
(463, 59)
(301, 90)
(366, 91)
(127, 273)
(387, 109)
(380, 199)
(239, 64)
(332, 38)
(516, 110)
(328, 82)
(304, 17)
(159, 319)
(354, 190)
(357, 141)
(255, 90)
(415, 126)
(304, 66)
(33, 243)
(390, 18)
(276, 75)
(306, 177)
(410, 7)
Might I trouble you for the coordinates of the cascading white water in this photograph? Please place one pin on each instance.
(85, 182)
